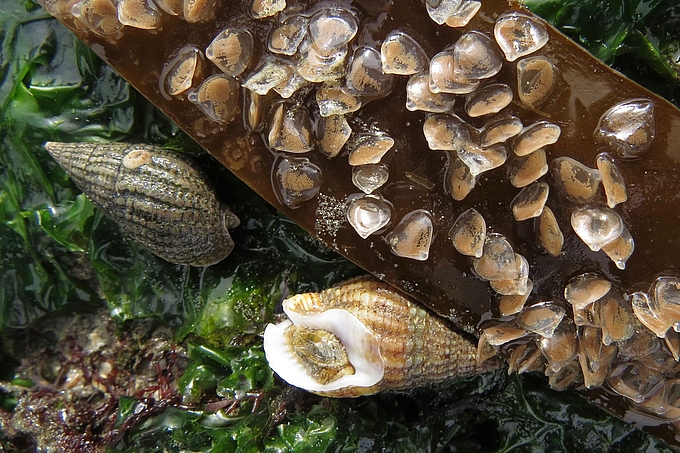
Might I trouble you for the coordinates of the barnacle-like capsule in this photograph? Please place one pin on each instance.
(519, 35)
(287, 37)
(537, 78)
(181, 73)
(100, 16)
(412, 237)
(369, 177)
(481, 160)
(369, 148)
(474, 57)
(629, 127)
(488, 100)
(231, 51)
(597, 226)
(368, 214)
(218, 97)
(529, 203)
(525, 170)
(365, 76)
(420, 97)
(141, 14)
(296, 180)
(401, 54)
(468, 233)
(574, 180)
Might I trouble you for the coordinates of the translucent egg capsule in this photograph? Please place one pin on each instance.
(666, 292)
(253, 115)
(332, 132)
(401, 54)
(647, 312)
(574, 180)
(231, 51)
(368, 215)
(142, 14)
(616, 318)
(562, 347)
(459, 180)
(369, 177)
(291, 130)
(172, 7)
(536, 136)
(480, 159)
(631, 380)
(100, 16)
(369, 149)
(218, 97)
(445, 79)
(440, 10)
(412, 237)
(468, 233)
(537, 78)
(585, 289)
(566, 377)
(315, 67)
(612, 180)
(446, 132)
(542, 318)
(334, 99)
(366, 77)
(499, 131)
(595, 357)
(525, 170)
(266, 8)
(464, 14)
(597, 226)
(629, 127)
(620, 249)
(529, 203)
(501, 334)
(420, 97)
(296, 180)
(519, 35)
(181, 73)
(514, 303)
(289, 87)
(287, 36)
(517, 286)
(271, 74)
(672, 341)
(525, 358)
(548, 232)
(488, 100)
(331, 29)
(498, 260)
(195, 11)
(475, 58)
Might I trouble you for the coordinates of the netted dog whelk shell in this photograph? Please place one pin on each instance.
(477, 168)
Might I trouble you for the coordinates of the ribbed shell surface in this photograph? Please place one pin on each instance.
(162, 200)
(418, 349)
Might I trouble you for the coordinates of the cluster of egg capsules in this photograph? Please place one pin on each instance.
(628, 341)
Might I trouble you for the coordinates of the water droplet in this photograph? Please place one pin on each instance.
(647, 311)
(271, 74)
(336, 100)
(217, 97)
(369, 149)
(368, 214)
(464, 14)
(498, 260)
(620, 249)
(481, 159)
(629, 127)
(412, 237)
(420, 97)
(537, 78)
(529, 203)
(596, 226)
(541, 318)
(401, 54)
(331, 29)
(475, 58)
(440, 10)
(500, 130)
(369, 177)
(548, 232)
(291, 129)
(286, 37)
(488, 100)
(142, 14)
(444, 78)
(100, 16)
(266, 8)
(616, 318)
(296, 180)
(446, 132)
(180, 73)
(519, 35)
(585, 289)
(468, 233)
(574, 180)
(366, 77)
(231, 51)
(459, 181)
(332, 133)
(612, 180)
(536, 136)
(512, 304)
(517, 286)
(524, 170)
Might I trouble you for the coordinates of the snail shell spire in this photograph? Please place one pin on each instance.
(158, 197)
(386, 342)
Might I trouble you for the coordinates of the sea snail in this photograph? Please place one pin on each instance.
(158, 197)
(360, 337)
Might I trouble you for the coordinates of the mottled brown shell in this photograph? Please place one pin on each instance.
(159, 197)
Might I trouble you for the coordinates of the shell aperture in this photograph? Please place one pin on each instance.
(389, 342)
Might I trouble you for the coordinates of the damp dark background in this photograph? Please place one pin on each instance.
(59, 257)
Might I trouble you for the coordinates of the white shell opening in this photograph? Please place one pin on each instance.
(360, 344)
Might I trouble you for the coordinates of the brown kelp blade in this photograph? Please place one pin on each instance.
(565, 87)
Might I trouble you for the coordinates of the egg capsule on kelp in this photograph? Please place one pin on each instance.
(361, 337)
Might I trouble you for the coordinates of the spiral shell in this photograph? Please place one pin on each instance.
(159, 197)
(361, 337)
